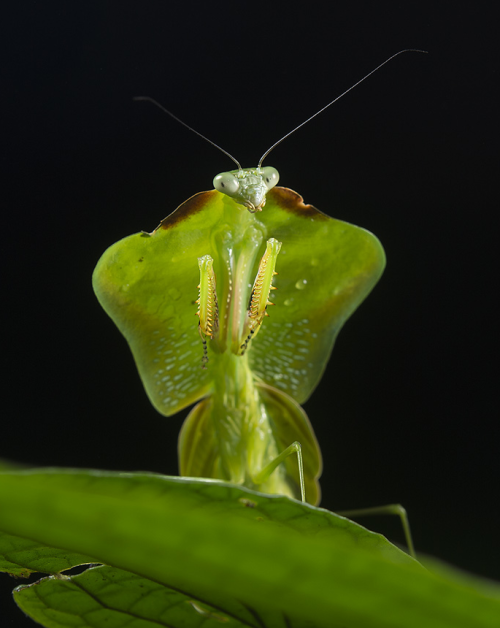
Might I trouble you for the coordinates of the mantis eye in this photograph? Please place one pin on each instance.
(270, 176)
(226, 183)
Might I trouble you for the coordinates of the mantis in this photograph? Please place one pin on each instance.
(233, 303)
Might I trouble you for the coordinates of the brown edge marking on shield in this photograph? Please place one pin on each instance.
(187, 209)
(292, 202)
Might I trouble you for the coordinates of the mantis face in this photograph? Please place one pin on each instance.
(248, 187)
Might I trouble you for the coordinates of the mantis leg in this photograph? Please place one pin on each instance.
(294, 448)
(389, 509)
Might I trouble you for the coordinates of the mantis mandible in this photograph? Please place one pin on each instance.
(247, 370)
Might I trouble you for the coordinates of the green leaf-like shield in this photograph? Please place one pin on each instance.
(147, 283)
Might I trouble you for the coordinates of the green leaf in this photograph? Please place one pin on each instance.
(252, 559)
(21, 557)
(106, 596)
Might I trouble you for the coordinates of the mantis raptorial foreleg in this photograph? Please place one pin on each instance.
(259, 299)
(208, 308)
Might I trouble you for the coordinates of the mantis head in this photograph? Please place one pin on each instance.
(248, 187)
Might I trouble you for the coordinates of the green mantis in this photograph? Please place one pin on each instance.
(247, 369)
(257, 371)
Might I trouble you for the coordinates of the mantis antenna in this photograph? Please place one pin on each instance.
(155, 102)
(335, 100)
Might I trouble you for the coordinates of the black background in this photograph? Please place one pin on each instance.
(407, 409)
